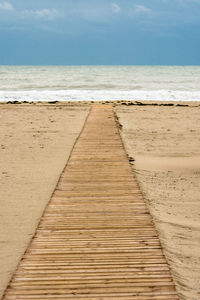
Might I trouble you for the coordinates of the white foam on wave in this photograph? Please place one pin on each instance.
(97, 95)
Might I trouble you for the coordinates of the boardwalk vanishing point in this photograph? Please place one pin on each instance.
(96, 238)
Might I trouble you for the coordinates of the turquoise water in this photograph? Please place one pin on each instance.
(74, 83)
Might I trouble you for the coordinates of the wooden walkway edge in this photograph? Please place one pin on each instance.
(96, 239)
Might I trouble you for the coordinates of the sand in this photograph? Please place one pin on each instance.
(35, 143)
(165, 143)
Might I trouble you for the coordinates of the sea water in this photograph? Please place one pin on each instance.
(78, 83)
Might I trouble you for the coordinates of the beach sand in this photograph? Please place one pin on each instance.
(165, 143)
(36, 141)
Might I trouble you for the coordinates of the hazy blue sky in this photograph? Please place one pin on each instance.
(73, 32)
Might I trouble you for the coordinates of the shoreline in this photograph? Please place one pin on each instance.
(180, 103)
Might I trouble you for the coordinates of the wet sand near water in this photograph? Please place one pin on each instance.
(165, 144)
(36, 141)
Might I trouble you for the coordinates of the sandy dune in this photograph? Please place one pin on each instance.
(35, 144)
(165, 143)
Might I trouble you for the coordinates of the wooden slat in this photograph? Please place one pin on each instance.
(96, 238)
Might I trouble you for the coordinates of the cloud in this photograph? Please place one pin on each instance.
(116, 8)
(43, 13)
(189, 1)
(6, 6)
(142, 9)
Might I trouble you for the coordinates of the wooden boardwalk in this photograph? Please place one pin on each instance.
(96, 239)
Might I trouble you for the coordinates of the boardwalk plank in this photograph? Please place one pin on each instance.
(96, 239)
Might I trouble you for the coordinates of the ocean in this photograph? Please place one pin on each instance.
(79, 83)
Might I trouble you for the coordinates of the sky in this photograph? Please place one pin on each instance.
(103, 32)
